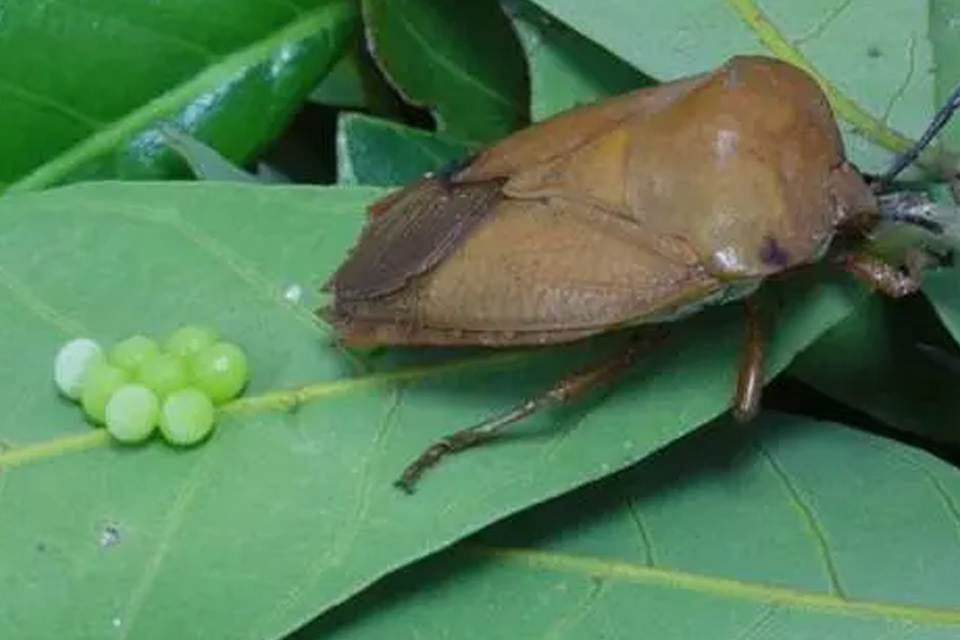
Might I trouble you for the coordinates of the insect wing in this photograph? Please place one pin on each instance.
(410, 233)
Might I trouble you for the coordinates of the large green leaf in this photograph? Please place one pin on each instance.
(460, 59)
(886, 73)
(289, 510)
(84, 84)
(878, 361)
(794, 530)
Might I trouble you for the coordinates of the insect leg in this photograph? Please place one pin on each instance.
(746, 401)
(889, 279)
(565, 390)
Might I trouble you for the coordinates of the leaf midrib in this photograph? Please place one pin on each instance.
(626, 572)
(278, 400)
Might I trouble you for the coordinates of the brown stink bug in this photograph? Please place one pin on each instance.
(637, 210)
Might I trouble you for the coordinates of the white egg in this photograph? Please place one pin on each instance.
(72, 363)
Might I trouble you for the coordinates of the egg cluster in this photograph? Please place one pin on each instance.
(139, 385)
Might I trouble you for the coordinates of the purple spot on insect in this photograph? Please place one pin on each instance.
(771, 253)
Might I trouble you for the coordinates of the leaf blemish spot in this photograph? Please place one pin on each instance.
(293, 293)
(109, 536)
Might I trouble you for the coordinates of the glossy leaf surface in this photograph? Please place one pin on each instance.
(459, 59)
(90, 81)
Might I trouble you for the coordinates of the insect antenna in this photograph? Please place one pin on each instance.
(939, 121)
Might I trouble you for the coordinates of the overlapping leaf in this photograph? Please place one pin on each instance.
(459, 59)
(883, 361)
(793, 530)
(83, 85)
(378, 152)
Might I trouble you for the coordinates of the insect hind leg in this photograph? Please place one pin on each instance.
(564, 391)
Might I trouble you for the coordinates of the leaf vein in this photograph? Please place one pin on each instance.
(861, 120)
(809, 518)
(36, 99)
(450, 67)
(566, 623)
(759, 627)
(258, 283)
(908, 77)
(643, 533)
(96, 16)
(174, 519)
(347, 535)
(827, 20)
(25, 297)
(944, 497)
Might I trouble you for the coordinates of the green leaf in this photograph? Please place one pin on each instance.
(795, 529)
(379, 152)
(460, 59)
(89, 82)
(344, 85)
(946, 52)
(886, 73)
(875, 361)
(289, 509)
(566, 69)
(943, 289)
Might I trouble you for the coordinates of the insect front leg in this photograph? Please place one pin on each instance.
(746, 401)
(565, 390)
(892, 280)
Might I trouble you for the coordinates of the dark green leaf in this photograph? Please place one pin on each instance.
(461, 59)
(875, 360)
(85, 84)
(794, 530)
(379, 152)
(284, 513)
(943, 289)
(343, 86)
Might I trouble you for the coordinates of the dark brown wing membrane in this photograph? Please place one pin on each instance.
(417, 230)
